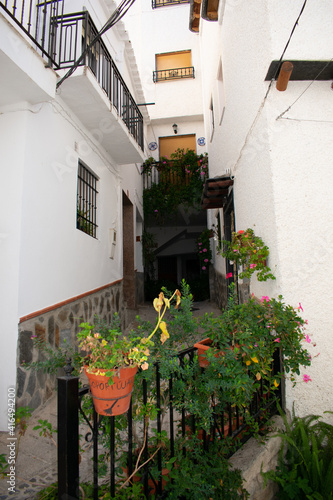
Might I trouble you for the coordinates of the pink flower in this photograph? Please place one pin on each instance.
(264, 298)
(206, 260)
(204, 268)
(241, 231)
(277, 340)
(252, 266)
(307, 378)
(199, 243)
(307, 338)
(229, 275)
(300, 307)
(205, 250)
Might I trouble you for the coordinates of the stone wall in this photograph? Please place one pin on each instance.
(218, 289)
(55, 326)
(254, 457)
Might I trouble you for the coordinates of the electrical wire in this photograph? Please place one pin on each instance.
(269, 88)
(284, 112)
(116, 16)
(284, 50)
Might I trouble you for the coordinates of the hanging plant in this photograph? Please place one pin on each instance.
(249, 251)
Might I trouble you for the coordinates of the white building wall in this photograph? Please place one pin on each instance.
(12, 154)
(51, 246)
(281, 166)
(156, 31)
(45, 260)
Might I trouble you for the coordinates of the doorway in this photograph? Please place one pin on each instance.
(129, 287)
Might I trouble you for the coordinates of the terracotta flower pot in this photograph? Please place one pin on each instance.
(112, 399)
(203, 347)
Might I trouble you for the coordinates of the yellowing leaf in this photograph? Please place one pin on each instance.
(165, 335)
(158, 303)
(258, 376)
(276, 383)
(255, 359)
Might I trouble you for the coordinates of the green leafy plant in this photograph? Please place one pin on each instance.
(46, 429)
(305, 464)
(240, 347)
(248, 250)
(50, 359)
(202, 474)
(256, 329)
(108, 350)
(20, 425)
(180, 182)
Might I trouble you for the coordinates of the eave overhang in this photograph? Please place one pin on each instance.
(303, 70)
(216, 191)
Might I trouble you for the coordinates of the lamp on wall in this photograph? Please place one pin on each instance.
(175, 128)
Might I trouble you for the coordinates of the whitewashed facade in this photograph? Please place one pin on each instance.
(48, 265)
(278, 147)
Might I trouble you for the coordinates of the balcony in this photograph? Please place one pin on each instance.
(95, 92)
(173, 74)
(173, 189)
(164, 3)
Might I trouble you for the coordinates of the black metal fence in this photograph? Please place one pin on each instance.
(230, 422)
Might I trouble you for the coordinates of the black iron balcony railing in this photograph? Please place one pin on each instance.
(35, 19)
(173, 74)
(163, 3)
(75, 33)
(62, 38)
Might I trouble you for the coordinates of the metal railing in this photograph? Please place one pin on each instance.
(173, 74)
(164, 3)
(229, 422)
(76, 31)
(62, 38)
(36, 20)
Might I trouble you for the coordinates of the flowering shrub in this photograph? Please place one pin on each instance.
(203, 249)
(248, 250)
(250, 333)
(108, 349)
(180, 182)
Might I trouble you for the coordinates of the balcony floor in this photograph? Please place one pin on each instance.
(90, 104)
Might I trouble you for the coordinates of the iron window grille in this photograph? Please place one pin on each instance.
(173, 74)
(163, 3)
(86, 210)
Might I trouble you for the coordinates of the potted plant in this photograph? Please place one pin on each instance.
(112, 359)
(249, 251)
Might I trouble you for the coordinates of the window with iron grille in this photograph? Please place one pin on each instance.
(173, 66)
(86, 206)
(165, 3)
